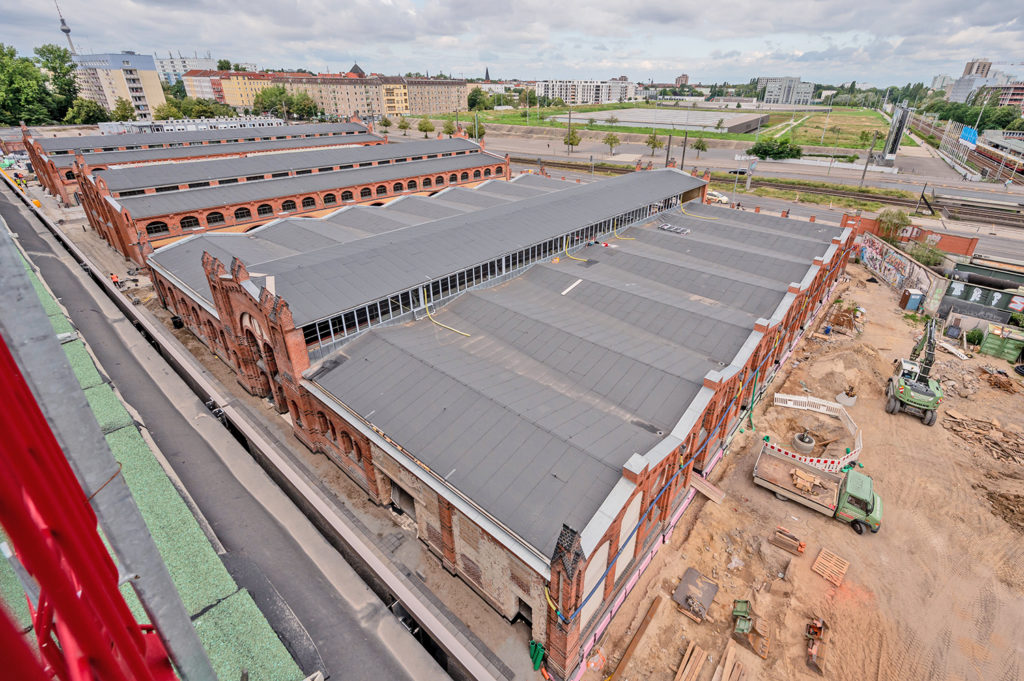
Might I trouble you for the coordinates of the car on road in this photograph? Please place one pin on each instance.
(739, 171)
(717, 197)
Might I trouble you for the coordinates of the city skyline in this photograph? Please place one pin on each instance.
(644, 41)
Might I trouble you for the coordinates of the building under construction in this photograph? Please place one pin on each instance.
(532, 370)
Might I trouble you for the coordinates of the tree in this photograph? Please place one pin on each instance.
(384, 124)
(123, 110)
(85, 112)
(167, 111)
(611, 120)
(238, 67)
(776, 148)
(23, 93)
(612, 140)
(273, 100)
(718, 125)
(425, 126)
(475, 130)
(176, 91)
(654, 143)
(303, 106)
(738, 105)
(890, 222)
(403, 125)
(590, 122)
(223, 64)
(478, 100)
(572, 139)
(449, 128)
(56, 62)
(557, 101)
(699, 145)
(864, 137)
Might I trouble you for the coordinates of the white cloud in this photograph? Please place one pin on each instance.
(824, 40)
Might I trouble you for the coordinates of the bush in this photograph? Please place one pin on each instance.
(975, 336)
(776, 149)
(1017, 319)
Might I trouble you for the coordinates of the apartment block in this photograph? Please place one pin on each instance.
(104, 78)
(587, 91)
(173, 68)
(786, 90)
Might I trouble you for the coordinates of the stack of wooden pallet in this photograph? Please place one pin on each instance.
(787, 541)
(693, 662)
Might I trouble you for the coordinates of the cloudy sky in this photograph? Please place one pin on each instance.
(829, 41)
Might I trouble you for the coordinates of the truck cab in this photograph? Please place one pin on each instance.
(858, 503)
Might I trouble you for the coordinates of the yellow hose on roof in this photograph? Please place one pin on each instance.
(699, 217)
(567, 250)
(431, 317)
(622, 238)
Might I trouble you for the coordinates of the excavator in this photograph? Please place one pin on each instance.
(911, 387)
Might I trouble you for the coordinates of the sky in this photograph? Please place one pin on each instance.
(878, 42)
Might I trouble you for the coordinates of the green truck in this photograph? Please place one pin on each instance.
(911, 387)
(849, 497)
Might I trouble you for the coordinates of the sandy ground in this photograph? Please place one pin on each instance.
(937, 594)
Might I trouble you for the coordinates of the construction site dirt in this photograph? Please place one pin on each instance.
(937, 593)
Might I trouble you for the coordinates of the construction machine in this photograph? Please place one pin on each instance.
(911, 387)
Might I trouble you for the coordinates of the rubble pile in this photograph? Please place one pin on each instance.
(956, 379)
(1004, 444)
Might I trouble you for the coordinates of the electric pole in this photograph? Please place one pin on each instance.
(868, 160)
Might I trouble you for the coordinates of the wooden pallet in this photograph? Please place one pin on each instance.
(701, 484)
(830, 566)
(788, 541)
(693, 662)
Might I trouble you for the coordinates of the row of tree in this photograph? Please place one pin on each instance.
(987, 115)
(38, 90)
(426, 126)
(279, 102)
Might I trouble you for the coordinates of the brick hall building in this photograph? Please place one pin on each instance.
(530, 384)
(53, 158)
(142, 208)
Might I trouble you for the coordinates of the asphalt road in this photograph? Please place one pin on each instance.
(329, 623)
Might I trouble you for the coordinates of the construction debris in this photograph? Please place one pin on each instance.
(1002, 382)
(731, 668)
(831, 566)
(1005, 445)
(787, 541)
(693, 662)
(957, 379)
(943, 345)
(815, 634)
(635, 641)
(750, 628)
(695, 594)
(805, 481)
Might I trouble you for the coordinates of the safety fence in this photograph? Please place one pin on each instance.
(808, 403)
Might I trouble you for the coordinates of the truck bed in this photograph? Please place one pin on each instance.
(772, 471)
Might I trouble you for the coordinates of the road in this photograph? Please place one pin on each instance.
(327, 617)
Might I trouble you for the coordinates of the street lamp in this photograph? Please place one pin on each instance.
(831, 97)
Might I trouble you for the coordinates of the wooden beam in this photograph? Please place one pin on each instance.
(635, 642)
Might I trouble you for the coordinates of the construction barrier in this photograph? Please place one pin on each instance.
(835, 409)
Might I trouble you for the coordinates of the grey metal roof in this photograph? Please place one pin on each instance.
(52, 144)
(534, 414)
(140, 177)
(149, 205)
(112, 158)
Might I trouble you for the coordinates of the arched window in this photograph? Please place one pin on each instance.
(189, 222)
(487, 172)
(309, 202)
(296, 415)
(243, 214)
(412, 184)
(365, 192)
(499, 171)
(288, 205)
(321, 423)
(69, 175)
(265, 209)
(156, 228)
(382, 190)
(465, 176)
(214, 218)
(476, 174)
(426, 182)
(330, 198)
(345, 443)
(453, 178)
(397, 187)
(346, 196)
(334, 431)
(439, 180)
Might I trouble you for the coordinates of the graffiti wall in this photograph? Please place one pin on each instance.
(900, 271)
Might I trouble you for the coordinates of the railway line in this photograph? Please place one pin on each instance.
(1002, 212)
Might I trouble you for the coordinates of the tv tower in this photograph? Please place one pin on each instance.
(64, 28)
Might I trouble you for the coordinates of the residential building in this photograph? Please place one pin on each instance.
(105, 78)
(394, 96)
(203, 84)
(142, 208)
(682, 80)
(350, 94)
(941, 82)
(59, 162)
(587, 91)
(785, 90)
(241, 87)
(964, 88)
(338, 95)
(978, 67)
(436, 95)
(1012, 94)
(541, 436)
(173, 68)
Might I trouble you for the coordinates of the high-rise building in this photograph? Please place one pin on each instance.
(963, 88)
(785, 90)
(941, 82)
(682, 80)
(105, 78)
(978, 67)
(587, 91)
(173, 68)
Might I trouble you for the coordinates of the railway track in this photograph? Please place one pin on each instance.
(948, 209)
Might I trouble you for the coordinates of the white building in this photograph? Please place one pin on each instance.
(189, 124)
(105, 78)
(786, 90)
(172, 68)
(941, 82)
(587, 91)
(964, 88)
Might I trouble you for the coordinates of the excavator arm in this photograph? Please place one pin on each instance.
(927, 344)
